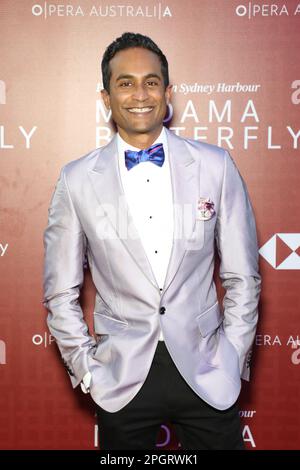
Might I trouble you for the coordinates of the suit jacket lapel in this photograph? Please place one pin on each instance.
(185, 189)
(107, 185)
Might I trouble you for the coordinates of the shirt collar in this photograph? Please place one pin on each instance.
(122, 145)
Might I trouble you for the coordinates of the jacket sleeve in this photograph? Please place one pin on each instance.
(65, 247)
(237, 246)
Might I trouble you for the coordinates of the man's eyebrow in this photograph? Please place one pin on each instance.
(149, 75)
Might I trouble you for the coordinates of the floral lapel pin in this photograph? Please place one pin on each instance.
(205, 208)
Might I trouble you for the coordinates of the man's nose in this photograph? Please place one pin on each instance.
(140, 92)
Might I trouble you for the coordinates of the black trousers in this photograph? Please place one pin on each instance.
(166, 397)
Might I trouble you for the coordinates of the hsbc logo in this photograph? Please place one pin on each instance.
(282, 251)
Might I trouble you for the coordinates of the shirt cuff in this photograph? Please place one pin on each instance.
(85, 383)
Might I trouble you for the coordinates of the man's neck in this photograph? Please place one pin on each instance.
(141, 141)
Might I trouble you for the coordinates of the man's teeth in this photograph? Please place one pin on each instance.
(139, 110)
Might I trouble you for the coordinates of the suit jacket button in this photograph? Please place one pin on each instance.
(162, 310)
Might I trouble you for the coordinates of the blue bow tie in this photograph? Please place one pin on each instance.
(154, 154)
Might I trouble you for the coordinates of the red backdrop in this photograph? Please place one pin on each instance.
(235, 70)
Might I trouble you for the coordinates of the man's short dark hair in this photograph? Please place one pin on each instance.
(126, 41)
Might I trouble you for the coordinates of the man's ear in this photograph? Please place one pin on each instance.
(168, 93)
(106, 98)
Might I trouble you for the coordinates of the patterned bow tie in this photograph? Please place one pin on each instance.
(154, 154)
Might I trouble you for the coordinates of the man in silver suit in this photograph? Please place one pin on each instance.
(149, 211)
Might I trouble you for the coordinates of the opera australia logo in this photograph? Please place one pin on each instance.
(252, 10)
(151, 10)
(282, 251)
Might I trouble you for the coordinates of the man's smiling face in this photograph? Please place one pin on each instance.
(137, 96)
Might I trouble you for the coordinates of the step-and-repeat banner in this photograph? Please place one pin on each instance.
(234, 66)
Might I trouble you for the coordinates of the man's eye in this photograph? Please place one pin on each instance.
(127, 84)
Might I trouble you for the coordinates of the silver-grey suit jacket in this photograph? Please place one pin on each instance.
(209, 344)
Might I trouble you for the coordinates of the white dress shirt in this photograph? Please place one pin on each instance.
(148, 191)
